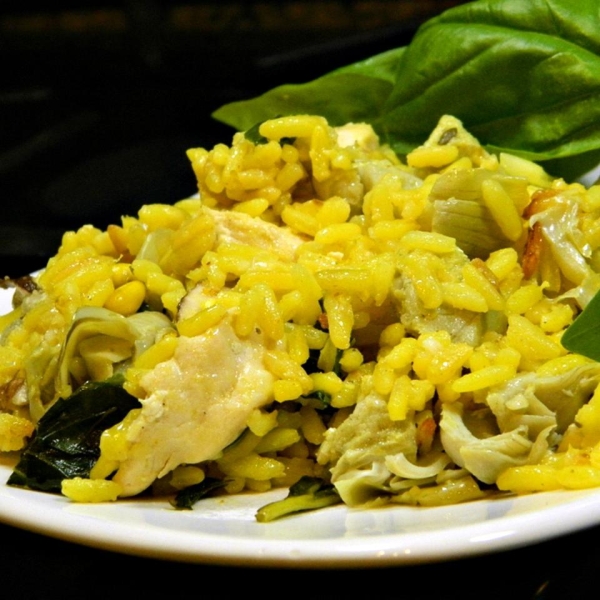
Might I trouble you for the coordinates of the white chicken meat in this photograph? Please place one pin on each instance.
(197, 403)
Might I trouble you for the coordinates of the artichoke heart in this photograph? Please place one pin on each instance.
(101, 342)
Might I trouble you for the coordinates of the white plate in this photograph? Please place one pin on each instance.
(224, 530)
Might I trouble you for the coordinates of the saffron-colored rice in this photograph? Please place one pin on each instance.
(358, 294)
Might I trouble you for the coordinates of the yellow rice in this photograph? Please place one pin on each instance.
(337, 298)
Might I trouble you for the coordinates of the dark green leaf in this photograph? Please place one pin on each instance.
(323, 397)
(66, 443)
(254, 136)
(356, 94)
(523, 78)
(308, 485)
(337, 367)
(309, 493)
(583, 335)
(185, 499)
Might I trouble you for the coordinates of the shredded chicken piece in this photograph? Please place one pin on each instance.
(240, 228)
(197, 403)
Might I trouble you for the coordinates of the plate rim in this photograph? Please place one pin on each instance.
(77, 523)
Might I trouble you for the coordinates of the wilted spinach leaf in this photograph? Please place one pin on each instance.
(66, 443)
(186, 498)
(309, 493)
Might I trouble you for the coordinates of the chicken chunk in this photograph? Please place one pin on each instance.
(357, 134)
(240, 228)
(197, 403)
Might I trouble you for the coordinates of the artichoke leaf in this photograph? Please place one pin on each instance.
(356, 451)
(561, 230)
(465, 184)
(471, 223)
(103, 339)
(487, 457)
(359, 487)
(541, 401)
(366, 436)
(402, 467)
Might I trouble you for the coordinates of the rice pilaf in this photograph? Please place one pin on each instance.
(325, 308)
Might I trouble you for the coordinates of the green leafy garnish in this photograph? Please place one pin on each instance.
(522, 80)
(359, 91)
(309, 493)
(253, 135)
(323, 397)
(67, 440)
(186, 498)
(583, 335)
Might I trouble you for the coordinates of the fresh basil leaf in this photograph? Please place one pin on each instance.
(186, 498)
(523, 79)
(519, 79)
(583, 335)
(254, 136)
(309, 493)
(573, 167)
(66, 443)
(358, 90)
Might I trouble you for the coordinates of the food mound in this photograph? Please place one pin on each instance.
(323, 315)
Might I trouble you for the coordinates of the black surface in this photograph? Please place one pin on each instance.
(99, 101)
(34, 567)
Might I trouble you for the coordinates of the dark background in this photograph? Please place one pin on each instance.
(98, 103)
(100, 100)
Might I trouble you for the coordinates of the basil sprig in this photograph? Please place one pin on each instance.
(583, 335)
(523, 77)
